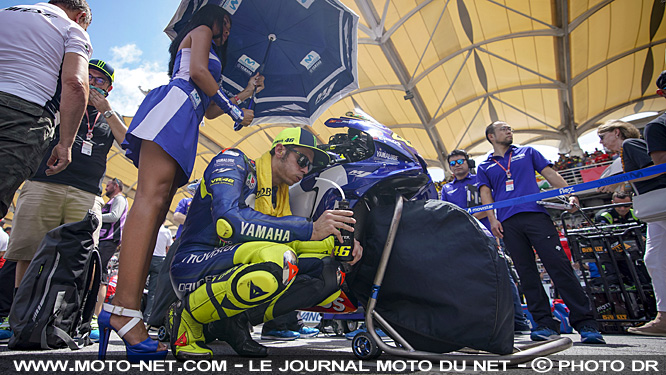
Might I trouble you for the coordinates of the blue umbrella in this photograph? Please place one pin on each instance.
(306, 49)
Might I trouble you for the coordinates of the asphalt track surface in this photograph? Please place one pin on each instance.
(330, 354)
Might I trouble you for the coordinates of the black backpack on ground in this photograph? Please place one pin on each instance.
(55, 302)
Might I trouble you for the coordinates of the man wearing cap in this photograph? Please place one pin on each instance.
(243, 256)
(47, 201)
(44, 49)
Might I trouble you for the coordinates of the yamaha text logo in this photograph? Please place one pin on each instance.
(325, 93)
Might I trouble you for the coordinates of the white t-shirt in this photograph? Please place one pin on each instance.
(4, 240)
(163, 240)
(33, 43)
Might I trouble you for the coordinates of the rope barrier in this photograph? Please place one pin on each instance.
(640, 173)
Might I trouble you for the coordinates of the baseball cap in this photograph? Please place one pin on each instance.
(103, 67)
(661, 81)
(303, 138)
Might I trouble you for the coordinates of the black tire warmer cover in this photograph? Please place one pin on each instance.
(446, 286)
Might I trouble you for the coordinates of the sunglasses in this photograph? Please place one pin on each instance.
(459, 162)
(116, 181)
(96, 80)
(302, 160)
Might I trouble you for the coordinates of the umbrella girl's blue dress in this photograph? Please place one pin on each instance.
(170, 115)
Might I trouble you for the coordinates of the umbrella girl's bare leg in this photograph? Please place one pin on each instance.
(158, 173)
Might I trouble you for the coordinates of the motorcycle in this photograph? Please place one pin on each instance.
(370, 164)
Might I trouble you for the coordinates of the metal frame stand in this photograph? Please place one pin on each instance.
(369, 345)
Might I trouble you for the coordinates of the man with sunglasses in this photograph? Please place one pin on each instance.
(507, 173)
(244, 257)
(463, 191)
(619, 214)
(46, 200)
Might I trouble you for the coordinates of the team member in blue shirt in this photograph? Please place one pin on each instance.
(463, 192)
(509, 172)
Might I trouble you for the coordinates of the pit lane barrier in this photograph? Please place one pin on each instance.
(640, 173)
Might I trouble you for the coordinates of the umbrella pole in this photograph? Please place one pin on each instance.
(271, 39)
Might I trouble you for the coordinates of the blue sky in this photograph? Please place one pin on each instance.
(118, 23)
(128, 35)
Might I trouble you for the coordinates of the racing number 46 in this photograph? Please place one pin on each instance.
(342, 251)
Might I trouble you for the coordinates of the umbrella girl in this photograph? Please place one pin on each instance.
(162, 142)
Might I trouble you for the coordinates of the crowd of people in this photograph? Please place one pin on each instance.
(566, 161)
(526, 228)
(242, 256)
(162, 144)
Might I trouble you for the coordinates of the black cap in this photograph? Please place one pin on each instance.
(103, 67)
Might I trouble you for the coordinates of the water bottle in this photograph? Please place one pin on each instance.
(342, 251)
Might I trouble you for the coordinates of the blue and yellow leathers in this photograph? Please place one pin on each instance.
(232, 258)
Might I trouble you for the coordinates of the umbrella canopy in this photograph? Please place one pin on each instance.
(306, 49)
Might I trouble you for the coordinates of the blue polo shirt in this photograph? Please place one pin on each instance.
(459, 193)
(524, 161)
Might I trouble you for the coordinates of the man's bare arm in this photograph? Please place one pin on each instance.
(73, 101)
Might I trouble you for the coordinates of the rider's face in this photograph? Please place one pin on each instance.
(289, 170)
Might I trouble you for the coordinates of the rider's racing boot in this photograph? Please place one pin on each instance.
(187, 336)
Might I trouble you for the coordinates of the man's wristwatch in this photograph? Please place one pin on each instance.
(108, 114)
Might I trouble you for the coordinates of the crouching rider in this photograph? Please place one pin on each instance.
(244, 257)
